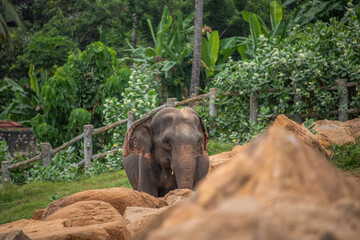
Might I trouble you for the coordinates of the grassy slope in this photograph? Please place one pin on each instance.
(17, 202)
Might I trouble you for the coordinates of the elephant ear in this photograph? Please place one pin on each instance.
(204, 132)
(138, 139)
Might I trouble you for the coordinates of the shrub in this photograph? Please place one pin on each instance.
(140, 96)
(309, 60)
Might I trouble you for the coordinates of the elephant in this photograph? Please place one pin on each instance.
(166, 152)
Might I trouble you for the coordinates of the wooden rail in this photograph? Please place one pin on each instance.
(89, 131)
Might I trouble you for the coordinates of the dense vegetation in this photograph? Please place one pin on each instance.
(64, 64)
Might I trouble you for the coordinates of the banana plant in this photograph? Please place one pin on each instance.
(210, 51)
(215, 52)
(172, 42)
(258, 27)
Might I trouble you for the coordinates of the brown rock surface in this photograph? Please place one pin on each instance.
(85, 213)
(119, 198)
(14, 235)
(38, 214)
(221, 158)
(277, 188)
(175, 196)
(138, 217)
(59, 229)
(336, 132)
(301, 133)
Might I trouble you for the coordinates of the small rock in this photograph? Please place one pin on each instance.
(38, 214)
(14, 235)
(175, 196)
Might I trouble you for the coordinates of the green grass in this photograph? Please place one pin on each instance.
(216, 147)
(17, 202)
(347, 158)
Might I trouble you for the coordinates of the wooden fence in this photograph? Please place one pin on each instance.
(89, 131)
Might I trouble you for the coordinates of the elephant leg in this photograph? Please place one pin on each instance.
(146, 183)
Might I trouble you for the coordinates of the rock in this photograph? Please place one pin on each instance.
(221, 158)
(138, 217)
(14, 235)
(38, 214)
(85, 213)
(336, 132)
(119, 198)
(277, 188)
(59, 229)
(301, 133)
(175, 196)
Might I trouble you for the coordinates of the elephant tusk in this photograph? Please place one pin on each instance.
(172, 173)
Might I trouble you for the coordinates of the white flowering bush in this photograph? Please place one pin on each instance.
(140, 97)
(309, 61)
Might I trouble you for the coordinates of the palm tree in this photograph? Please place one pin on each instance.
(8, 14)
(195, 72)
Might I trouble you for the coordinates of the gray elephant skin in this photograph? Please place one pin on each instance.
(166, 152)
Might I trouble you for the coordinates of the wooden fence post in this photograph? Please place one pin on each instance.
(297, 99)
(343, 99)
(45, 153)
(212, 102)
(254, 106)
(131, 119)
(5, 172)
(170, 102)
(88, 129)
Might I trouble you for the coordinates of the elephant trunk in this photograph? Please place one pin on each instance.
(184, 166)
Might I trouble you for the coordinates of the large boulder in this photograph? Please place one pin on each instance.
(60, 229)
(301, 133)
(221, 158)
(91, 214)
(336, 132)
(277, 188)
(86, 213)
(138, 217)
(119, 198)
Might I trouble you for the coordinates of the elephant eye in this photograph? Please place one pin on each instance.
(167, 144)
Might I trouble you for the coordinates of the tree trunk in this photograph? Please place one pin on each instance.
(134, 30)
(195, 72)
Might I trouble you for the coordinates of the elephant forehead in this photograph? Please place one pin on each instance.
(175, 117)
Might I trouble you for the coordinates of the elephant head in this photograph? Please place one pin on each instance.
(173, 146)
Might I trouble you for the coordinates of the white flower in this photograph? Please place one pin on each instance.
(302, 56)
(256, 75)
(131, 78)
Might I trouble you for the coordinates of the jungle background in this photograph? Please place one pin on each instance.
(64, 64)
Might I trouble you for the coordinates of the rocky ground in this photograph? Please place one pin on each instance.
(279, 186)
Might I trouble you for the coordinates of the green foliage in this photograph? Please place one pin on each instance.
(140, 96)
(309, 60)
(62, 168)
(8, 13)
(310, 11)
(24, 104)
(171, 52)
(210, 51)
(258, 28)
(216, 147)
(4, 154)
(346, 157)
(46, 51)
(74, 96)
